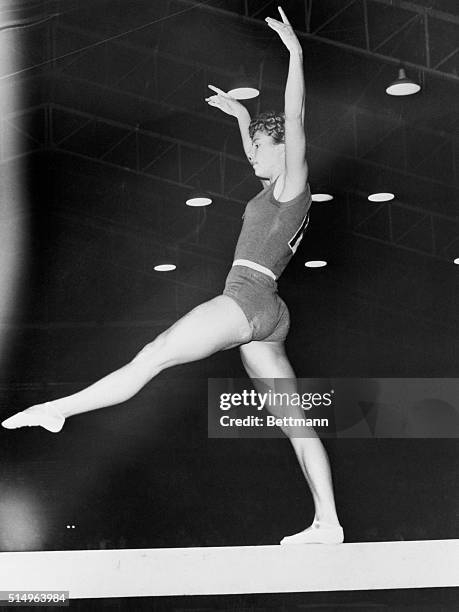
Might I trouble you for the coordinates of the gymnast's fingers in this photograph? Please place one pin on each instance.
(217, 90)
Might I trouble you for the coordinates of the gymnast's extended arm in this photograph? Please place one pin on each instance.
(232, 107)
(296, 169)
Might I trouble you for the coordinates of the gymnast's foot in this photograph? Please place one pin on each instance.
(44, 415)
(317, 533)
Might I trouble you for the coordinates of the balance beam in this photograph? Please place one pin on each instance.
(233, 569)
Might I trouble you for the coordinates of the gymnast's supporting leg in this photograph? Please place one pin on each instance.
(267, 363)
(215, 325)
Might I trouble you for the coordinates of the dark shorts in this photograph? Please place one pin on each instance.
(256, 293)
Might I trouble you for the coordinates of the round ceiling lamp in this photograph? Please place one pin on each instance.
(199, 199)
(243, 87)
(165, 267)
(381, 197)
(402, 86)
(243, 92)
(321, 197)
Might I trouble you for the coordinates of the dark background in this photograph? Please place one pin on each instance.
(112, 139)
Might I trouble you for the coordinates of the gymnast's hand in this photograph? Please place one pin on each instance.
(285, 31)
(225, 103)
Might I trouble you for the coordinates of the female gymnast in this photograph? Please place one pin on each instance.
(249, 313)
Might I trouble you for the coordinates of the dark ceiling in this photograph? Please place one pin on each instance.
(112, 110)
(123, 83)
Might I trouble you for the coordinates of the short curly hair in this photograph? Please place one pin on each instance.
(270, 123)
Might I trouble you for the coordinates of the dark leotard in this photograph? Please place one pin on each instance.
(270, 235)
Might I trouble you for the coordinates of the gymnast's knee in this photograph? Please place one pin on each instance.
(153, 351)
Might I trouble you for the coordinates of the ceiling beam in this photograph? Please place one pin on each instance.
(421, 10)
(312, 142)
(338, 44)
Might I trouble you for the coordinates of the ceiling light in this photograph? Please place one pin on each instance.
(456, 261)
(243, 93)
(402, 86)
(199, 199)
(315, 264)
(165, 267)
(381, 197)
(243, 87)
(321, 197)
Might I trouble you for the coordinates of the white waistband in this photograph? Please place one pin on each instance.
(254, 266)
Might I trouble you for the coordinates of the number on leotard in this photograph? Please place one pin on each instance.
(295, 240)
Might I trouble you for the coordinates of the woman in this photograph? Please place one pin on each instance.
(249, 313)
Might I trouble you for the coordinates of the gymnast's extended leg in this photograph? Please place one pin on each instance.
(212, 326)
(267, 364)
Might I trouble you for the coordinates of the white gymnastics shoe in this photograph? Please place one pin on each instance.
(44, 415)
(316, 534)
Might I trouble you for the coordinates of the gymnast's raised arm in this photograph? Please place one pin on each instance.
(232, 107)
(296, 169)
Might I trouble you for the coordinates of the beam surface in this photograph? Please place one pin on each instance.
(234, 569)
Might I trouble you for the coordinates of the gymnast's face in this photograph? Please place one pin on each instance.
(267, 157)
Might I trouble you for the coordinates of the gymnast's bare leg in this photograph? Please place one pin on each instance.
(268, 366)
(215, 325)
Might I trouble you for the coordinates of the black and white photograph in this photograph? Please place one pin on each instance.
(229, 305)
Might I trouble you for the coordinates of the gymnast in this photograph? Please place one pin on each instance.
(249, 314)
